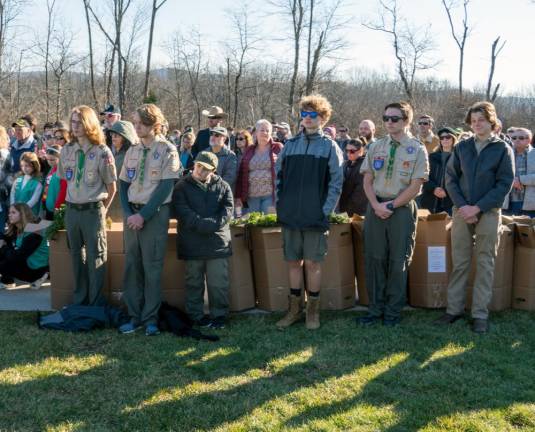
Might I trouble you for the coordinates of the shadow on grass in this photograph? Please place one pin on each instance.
(182, 384)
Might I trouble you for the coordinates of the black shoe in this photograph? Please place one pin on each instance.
(204, 322)
(218, 323)
(391, 322)
(447, 319)
(480, 326)
(368, 320)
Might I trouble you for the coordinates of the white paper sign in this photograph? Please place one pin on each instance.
(436, 259)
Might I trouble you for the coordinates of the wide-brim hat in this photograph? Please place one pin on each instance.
(214, 112)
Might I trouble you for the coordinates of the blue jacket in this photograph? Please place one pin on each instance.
(309, 181)
(17, 149)
(483, 180)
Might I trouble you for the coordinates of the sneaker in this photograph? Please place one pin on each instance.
(7, 285)
(152, 330)
(391, 322)
(129, 328)
(204, 322)
(37, 284)
(368, 320)
(218, 323)
(447, 319)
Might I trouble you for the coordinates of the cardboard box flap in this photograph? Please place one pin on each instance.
(437, 216)
(526, 235)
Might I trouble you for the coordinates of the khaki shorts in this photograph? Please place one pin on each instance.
(303, 244)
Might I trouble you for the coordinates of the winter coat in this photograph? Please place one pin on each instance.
(353, 199)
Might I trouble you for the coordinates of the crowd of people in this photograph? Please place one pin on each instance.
(139, 173)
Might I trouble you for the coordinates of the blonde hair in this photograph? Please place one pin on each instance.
(26, 217)
(151, 115)
(4, 138)
(91, 124)
(318, 103)
(189, 135)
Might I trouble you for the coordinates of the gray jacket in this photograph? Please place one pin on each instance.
(528, 181)
(227, 166)
(483, 180)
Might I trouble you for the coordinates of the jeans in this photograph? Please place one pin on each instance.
(515, 209)
(260, 204)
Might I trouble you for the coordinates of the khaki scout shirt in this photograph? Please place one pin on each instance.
(161, 163)
(410, 163)
(99, 171)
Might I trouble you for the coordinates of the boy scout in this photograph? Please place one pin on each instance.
(87, 165)
(146, 184)
(394, 170)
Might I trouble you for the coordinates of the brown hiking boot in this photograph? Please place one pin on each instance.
(294, 313)
(313, 313)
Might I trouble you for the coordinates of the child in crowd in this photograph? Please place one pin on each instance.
(55, 187)
(24, 250)
(27, 187)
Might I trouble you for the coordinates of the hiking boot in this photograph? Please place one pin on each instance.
(152, 330)
(447, 319)
(391, 322)
(37, 284)
(294, 313)
(218, 323)
(480, 325)
(313, 313)
(368, 320)
(129, 328)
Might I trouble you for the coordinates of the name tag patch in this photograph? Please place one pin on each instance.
(69, 174)
(130, 173)
(378, 162)
(91, 155)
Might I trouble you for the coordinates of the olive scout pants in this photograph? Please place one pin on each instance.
(464, 237)
(86, 233)
(145, 252)
(388, 249)
(217, 282)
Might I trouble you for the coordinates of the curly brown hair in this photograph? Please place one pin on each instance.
(318, 103)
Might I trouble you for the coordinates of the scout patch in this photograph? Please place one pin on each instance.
(90, 176)
(175, 163)
(155, 173)
(108, 157)
(69, 174)
(411, 149)
(130, 173)
(406, 164)
(92, 155)
(156, 155)
(378, 162)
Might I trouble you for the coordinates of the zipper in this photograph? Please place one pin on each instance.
(303, 172)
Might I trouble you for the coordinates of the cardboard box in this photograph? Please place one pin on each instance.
(242, 291)
(270, 269)
(524, 276)
(503, 273)
(61, 276)
(338, 272)
(431, 261)
(524, 299)
(114, 237)
(357, 225)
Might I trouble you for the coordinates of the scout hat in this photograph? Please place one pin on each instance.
(214, 112)
(207, 160)
(126, 130)
(219, 130)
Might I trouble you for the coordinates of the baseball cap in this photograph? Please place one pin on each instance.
(220, 130)
(21, 123)
(207, 160)
(111, 109)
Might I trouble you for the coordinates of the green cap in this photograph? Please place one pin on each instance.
(21, 123)
(126, 130)
(207, 160)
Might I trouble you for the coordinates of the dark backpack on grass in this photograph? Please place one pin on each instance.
(177, 322)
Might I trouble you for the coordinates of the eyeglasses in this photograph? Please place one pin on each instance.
(352, 151)
(393, 119)
(216, 134)
(311, 114)
(424, 123)
(519, 137)
(59, 138)
(445, 137)
(240, 139)
(342, 130)
(48, 137)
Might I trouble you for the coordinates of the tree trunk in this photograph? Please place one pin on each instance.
(149, 51)
(91, 61)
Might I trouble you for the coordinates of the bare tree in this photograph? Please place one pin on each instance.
(496, 49)
(10, 10)
(155, 8)
(412, 46)
(91, 60)
(459, 37)
(50, 4)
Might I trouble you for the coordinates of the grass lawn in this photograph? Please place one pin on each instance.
(414, 377)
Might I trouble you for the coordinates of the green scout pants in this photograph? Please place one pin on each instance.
(462, 243)
(388, 248)
(217, 281)
(86, 233)
(145, 252)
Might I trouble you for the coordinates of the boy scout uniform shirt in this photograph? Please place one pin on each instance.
(410, 162)
(144, 173)
(86, 182)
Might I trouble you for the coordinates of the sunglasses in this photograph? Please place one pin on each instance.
(445, 137)
(424, 123)
(343, 131)
(311, 114)
(216, 134)
(48, 137)
(240, 139)
(59, 138)
(393, 119)
(519, 137)
(352, 151)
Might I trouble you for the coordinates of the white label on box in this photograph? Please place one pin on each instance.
(436, 259)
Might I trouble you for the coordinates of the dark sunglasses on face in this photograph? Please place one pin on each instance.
(445, 137)
(59, 138)
(240, 139)
(343, 131)
(519, 137)
(424, 123)
(393, 119)
(311, 114)
(352, 151)
(47, 137)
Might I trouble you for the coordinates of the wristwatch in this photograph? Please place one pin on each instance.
(390, 206)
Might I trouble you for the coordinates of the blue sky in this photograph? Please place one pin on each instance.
(510, 19)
